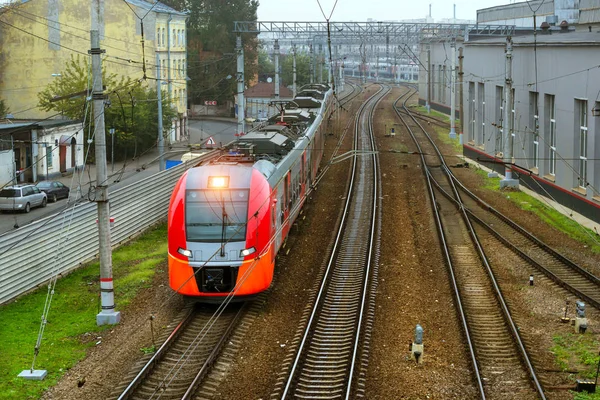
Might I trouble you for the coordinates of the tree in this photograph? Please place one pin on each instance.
(3, 109)
(211, 46)
(131, 107)
(302, 69)
(266, 68)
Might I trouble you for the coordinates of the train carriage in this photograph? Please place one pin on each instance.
(229, 217)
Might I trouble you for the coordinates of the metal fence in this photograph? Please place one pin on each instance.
(32, 255)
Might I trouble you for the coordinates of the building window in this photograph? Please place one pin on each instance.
(583, 141)
(49, 156)
(499, 119)
(472, 111)
(445, 83)
(158, 37)
(163, 36)
(439, 84)
(173, 38)
(550, 129)
(481, 102)
(535, 128)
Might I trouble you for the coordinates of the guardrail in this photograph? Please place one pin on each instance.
(33, 254)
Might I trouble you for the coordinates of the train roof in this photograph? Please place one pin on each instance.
(273, 140)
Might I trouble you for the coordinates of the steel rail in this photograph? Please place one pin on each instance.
(540, 267)
(445, 248)
(208, 363)
(159, 355)
(329, 270)
(189, 349)
(484, 259)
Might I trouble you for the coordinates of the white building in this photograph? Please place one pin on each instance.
(34, 151)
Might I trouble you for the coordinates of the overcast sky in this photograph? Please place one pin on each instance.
(361, 10)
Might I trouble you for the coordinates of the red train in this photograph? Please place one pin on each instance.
(229, 217)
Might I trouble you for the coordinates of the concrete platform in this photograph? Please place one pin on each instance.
(35, 375)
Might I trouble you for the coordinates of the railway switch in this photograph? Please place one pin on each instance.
(531, 280)
(416, 350)
(580, 320)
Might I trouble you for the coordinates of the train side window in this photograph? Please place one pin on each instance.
(303, 168)
(286, 191)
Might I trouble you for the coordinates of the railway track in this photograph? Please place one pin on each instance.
(326, 352)
(501, 363)
(185, 357)
(539, 255)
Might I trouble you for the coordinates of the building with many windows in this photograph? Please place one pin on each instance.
(39, 37)
(554, 119)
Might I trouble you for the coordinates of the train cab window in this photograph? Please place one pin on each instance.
(216, 215)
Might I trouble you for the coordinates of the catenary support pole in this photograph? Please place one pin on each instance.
(276, 49)
(108, 315)
(294, 88)
(461, 115)
(312, 63)
(428, 102)
(508, 181)
(452, 91)
(240, 86)
(161, 136)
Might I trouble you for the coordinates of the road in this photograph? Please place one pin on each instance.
(222, 131)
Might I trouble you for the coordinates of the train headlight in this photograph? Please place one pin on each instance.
(247, 252)
(218, 182)
(184, 252)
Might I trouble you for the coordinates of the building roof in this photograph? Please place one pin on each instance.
(553, 37)
(156, 7)
(23, 125)
(267, 90)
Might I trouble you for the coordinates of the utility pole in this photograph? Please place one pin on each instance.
(161, 138)
(294, 90)
(108, 315)
(276, 48)
(507, 127)
(452, 89)
(240, 86)
(312, 63)
(428, 102)
(321, 63)
(461, 115)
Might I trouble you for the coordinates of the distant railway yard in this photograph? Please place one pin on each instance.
(407, 274)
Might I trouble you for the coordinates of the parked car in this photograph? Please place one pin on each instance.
(54, 190)
(22, 198)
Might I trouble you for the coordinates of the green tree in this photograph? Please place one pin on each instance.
(302, 69)
(3, 109)
(131, 107)
(211, 46)
(266, 67)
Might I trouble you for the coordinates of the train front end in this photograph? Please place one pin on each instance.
(219, 233)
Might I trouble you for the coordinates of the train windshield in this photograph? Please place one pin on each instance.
(216, 215)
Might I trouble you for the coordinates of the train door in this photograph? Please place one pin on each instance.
(62, 154)
(275, 225)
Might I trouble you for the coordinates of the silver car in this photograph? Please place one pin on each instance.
(22, 198)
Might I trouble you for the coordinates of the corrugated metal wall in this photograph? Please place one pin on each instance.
(33, 254)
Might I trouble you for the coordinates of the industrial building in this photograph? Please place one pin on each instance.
(554, 123)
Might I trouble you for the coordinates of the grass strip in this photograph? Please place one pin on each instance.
(545, 212)
(71, 325)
